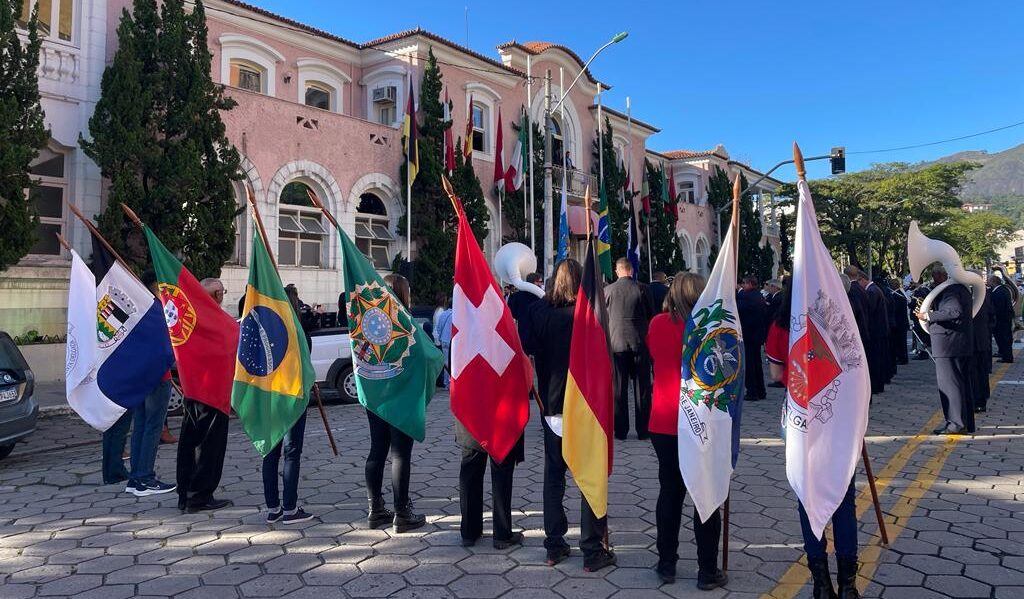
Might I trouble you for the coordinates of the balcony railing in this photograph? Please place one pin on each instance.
(576, 182)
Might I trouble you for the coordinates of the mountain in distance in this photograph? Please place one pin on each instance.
(999, 181)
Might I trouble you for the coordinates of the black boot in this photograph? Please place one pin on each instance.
(406, 520)
(847, 578)
(379, 515)
(822, 579)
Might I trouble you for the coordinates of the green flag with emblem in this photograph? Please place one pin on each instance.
(396, 363)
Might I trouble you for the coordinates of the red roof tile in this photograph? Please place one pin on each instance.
(442, 40)
(287, 21)
(537, 47)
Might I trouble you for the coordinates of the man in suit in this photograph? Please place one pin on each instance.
(658, 290)
(754, 320)
(773, 295)
(629, 312)
(949, 323)
(876, 346)
(901, 323)
(858, 303)
(1002, 303)
(984, 322)
(921, 338)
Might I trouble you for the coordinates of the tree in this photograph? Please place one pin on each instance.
(755, 257)
(433, 218)
(158, 137)
(614, 183)
(786, 226)
(666, 254)
(22, 132)
(975, 235)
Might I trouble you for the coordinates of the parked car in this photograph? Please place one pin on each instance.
(18, 409)
(332, 361)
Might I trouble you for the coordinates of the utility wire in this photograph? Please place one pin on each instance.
(935, 143)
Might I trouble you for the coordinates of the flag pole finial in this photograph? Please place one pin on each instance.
(798, 160)
(447, 185)
(63, 242)
(316, 202)
(586, 201)
(737, 193)
(131, 215)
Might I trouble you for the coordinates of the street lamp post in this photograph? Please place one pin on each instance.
(548, 166)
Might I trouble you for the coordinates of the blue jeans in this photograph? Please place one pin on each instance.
(292, 449)
(149, 421)
(844, 530)
(114, 439)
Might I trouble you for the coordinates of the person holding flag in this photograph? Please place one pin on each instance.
(490, 387)
(815, 349)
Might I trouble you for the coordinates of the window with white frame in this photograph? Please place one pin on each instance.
(48, 171)
(703, 254)
(320, 84)
(688, 192)
(248, 75)
(301, 235)
(56, 18)
(481, 122)
(558, 154)
(373, 231)
(319, 95)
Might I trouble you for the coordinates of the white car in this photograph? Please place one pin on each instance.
(332, 361)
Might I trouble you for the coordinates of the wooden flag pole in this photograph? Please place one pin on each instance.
(734, 228)
(798, 161)
(96, 233)
(586, 204)
(131, 215)
(63, 242)
(874, 494)
(270, 254)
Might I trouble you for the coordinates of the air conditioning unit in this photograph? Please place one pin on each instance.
(385, 95)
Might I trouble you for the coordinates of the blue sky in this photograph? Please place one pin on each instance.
(756, 75)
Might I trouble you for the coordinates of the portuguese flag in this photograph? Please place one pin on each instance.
(395, 361)
(204, 336)
(587, 412)
(273, 373)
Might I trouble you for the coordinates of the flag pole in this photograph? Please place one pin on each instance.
(874, 494)
(529, 133)
(736, 191)
(63, 242)
(600, 145)
(96, 233)
(266, 244)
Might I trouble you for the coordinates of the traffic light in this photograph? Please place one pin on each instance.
(838, 160)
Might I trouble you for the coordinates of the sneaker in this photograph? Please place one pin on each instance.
(601, 559)
(274, 515)
(300, 515)
(153, 487)
(515, 539)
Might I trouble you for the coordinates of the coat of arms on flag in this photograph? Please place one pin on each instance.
(178, 312)
(381, 332)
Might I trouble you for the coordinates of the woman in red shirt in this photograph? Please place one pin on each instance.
(665, 343)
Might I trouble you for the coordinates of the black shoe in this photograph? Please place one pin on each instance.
(940, 430)
(274, 515)
(601, 559)
(823, 588)
(921, 357)
(468, 542)
(666, 574)
(406, 519)
(622, 438)
(515, 539)
(379, 516)
(182, 503)
(776, 385)
(643, 437)
(709, 582)
(752, 398)
(979, 410)
(212, 504)
(300, 515)
(557, 555)
(951, 430)
(846, 578)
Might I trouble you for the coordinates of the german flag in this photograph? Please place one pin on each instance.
(410, 135)
(587, 413)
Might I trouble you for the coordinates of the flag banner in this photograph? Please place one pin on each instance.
(491, 376)
(449, 136)
(587, 444)
(499, 157)
(518, 165)
(467, 147)
(671, 206)
(645, 194)
(83, 393)
(410, 136)
(633, 241)
(828, 389)
(273, 372)
(132, 348)
(204, 337)
(604, 247)
(396, 363)
(711, 394)
(563, 220)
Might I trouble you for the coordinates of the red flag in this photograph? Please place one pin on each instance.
(499, 157)
(672, 207)
(467, 148)
(491, 376)
(449, 136)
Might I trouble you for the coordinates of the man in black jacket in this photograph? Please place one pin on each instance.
(876, 346)
(1002, 303)
(949, 323)
(629, 313)
(900, 323)
(754, 321)
(984, 321)
(658, 290)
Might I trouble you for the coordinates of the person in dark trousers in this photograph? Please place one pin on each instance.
(1002, 303)
(876, 310)
(385, 438)
(773, 297)
(629, 312)
(900, 323)
(984, 320)
(114, 440)
(548, 340)
(658, 289)
(754, 321)
(665, 340)
(950, 325)
(844, 519)
(471, 491)
(917, 328)
(202, 443)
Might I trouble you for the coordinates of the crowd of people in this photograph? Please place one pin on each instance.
(646, 328)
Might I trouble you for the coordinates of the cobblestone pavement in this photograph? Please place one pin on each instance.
(951, 506)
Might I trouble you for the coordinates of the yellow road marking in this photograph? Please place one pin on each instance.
(794, 579)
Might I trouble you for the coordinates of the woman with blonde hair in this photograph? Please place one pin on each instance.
(665, 343)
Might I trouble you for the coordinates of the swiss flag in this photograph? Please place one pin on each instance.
(491, 375)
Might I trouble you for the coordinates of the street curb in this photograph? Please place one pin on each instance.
(54, 411)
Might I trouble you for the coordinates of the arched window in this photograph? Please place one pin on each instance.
(688, 192)
(481, 127)
(686, 245)
(703, 253)
(558, 156)
(373, 231)
(319, 95)
(321, 84)
(300, 231)
(248, 75)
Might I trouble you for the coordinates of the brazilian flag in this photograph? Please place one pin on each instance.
(273, 373)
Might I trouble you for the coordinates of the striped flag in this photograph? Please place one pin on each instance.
(467, 147)
(587, 414)
(563, 220)
(518, 165)
(449, 136)
(410, 141)
(499, 157)
(604, 244)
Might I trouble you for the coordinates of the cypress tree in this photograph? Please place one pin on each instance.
(614, 183)
(754, 258)
(157, 136)
(666, 253)
(22, 132)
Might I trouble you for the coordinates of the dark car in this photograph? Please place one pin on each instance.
(18, 409)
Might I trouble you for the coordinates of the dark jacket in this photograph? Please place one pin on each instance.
(548, 337)
(629, 313)
(774, 302)
(984, 322)
(950, 323)
(1002, 303)
(753, 316)
(658, 291)
(877, 313)
(859, 303)
(898, 320)
(520, 303)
